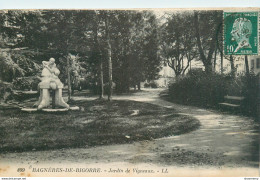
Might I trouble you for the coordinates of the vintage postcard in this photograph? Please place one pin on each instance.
(129, 92)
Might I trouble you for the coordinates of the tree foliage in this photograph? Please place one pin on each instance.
(179, 44)
(207, 26)
(40, 34)
(137, 44)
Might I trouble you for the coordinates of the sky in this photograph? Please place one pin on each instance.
(118, 4)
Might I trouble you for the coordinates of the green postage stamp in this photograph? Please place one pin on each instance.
(241, 33)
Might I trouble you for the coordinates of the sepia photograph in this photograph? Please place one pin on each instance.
(134, 92)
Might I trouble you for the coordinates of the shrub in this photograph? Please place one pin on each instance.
(146, 85)
(199, 88)
(151, 85)
(250, 90)
(26, 83)
(154, 85)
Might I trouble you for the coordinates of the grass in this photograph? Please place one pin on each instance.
(97, 123)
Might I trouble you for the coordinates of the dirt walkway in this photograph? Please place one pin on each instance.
(233, 140)
(223, 140)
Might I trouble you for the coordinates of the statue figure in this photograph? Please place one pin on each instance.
(50, 81)
(241, 31)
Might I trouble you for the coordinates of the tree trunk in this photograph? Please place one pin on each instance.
(177, 74)
(207, 61)
(232, 65)
(247, 67)
(215, 59)
(221, 63)
(69, 81)
(101, 95)
(208, 67)
(109, 73)
(197, 33)
(139, 86)
(101, 76)
(109, 54)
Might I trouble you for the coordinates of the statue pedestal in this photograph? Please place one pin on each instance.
(31, 110)
(45, 99)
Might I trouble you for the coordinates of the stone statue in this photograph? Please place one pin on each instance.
(50, 81)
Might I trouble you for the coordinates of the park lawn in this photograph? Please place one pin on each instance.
(97, 123)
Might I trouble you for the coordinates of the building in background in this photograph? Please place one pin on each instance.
(165, 76)
(254, 64)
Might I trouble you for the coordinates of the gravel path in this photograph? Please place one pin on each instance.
(222, 141)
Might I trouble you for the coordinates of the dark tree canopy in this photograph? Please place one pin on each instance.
(128, 47)
(41, 34)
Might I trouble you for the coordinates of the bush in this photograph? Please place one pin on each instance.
(154, 85)
(199, 88)
(147, 85)
(151, 85)
(26, 83)
(250, 90)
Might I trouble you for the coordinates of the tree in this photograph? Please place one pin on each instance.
(233, 69)
(126, 39)
(247, 66)
(151, 58)
(15, 56)
(109, 57)
(206, 25)
(232, 59)
(179, 46)
(134, 41)
(68, 32)
(219, 46)
(144, 61)
(98, 53)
